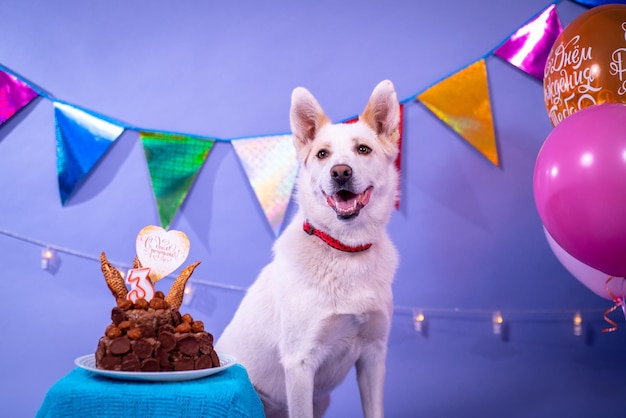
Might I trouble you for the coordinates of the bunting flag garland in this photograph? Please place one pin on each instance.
(174, 162)
(14, 95)
(462, 102)
(82, 140)
(529, 47)
(271, 165)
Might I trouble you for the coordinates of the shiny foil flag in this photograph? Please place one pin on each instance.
(462, 102)
(174, 162)
(594, 3)
(528, 48)
(271, 166)
(82, 140)
(399, 157)
(14, 95)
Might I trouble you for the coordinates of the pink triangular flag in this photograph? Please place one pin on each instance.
(271, 166)
(528, 48)
(14, 95)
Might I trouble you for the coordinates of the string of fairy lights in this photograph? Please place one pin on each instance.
(50, 254)
(500, 320)
(420, 316)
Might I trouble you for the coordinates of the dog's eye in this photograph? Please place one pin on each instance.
(364, 149)
(321, 154)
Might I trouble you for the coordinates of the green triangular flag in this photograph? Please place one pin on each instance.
(174, 162)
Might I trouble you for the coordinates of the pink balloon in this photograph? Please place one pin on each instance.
(580, 186)
(593, 279)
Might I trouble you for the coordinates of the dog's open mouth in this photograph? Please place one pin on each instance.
(347, 204)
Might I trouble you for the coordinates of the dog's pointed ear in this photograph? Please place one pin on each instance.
(306, 116)
(382, 112)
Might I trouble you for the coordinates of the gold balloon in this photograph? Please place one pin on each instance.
(587, 63)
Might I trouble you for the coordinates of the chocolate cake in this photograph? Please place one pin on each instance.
(152, 336)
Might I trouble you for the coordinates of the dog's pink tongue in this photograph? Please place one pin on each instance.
(346, 206)
(348, 203)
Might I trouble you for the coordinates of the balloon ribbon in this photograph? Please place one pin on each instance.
(619, 301)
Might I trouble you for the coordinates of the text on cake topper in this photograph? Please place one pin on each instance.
(162, 251)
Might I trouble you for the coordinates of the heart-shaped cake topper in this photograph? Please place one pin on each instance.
(163, 251)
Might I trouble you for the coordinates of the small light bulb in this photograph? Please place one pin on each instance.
(46, 257)
(418, 320)
(578, 324)
(497, 321)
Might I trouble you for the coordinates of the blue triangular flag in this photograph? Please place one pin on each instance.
(82, 140)
(594, 3)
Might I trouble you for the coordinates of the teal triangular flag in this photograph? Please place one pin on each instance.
(174, 162)
(82, 140)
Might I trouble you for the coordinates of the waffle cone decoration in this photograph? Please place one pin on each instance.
(114, 279)
(177, 291)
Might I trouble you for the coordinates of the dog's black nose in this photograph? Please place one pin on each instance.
(341, 173)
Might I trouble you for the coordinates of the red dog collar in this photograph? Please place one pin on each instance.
(332, 241)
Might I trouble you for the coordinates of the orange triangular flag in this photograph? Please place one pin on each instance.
(462, 102)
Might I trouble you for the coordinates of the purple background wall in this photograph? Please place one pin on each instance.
(469, 236)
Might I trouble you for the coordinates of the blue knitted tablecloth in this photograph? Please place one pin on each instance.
(84, 394)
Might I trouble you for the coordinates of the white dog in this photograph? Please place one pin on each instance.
(324, 304)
